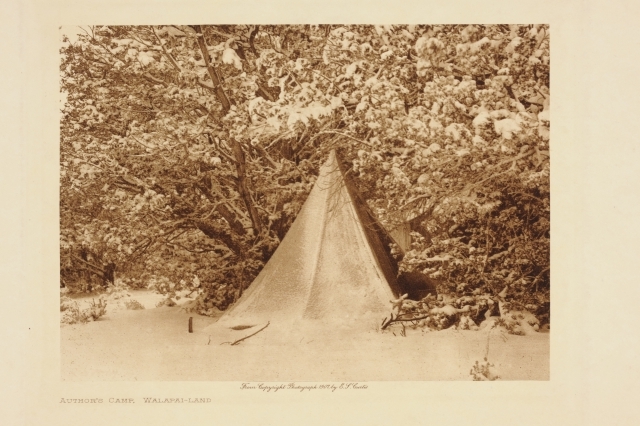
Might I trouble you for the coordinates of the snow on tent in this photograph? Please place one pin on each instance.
(333, 265)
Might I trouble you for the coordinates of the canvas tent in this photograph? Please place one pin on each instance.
(333, 264)
(406, 222)
(401, 234)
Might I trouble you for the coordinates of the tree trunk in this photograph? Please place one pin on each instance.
(213, 73)
(212, 230)
(243, 188)
(224, 211)
(109, 274)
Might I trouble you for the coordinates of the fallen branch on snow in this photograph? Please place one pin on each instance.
(387, 322)
(246, 337)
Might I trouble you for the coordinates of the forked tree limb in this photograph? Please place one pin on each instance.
(93, 268)
(386, 323)
(166, 53)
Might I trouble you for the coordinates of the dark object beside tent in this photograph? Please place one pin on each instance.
(417, 285)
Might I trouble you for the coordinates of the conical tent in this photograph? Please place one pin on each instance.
(333, 263)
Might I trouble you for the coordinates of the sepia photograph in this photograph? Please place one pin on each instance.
(310, 203)
(303, 212)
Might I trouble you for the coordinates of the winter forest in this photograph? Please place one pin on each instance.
(186, 152)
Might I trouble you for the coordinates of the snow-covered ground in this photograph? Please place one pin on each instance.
(154, 344)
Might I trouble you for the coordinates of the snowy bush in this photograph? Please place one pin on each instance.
(72, 314)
